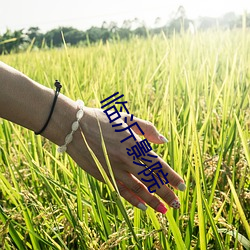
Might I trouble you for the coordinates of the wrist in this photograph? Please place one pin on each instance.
(61, 121)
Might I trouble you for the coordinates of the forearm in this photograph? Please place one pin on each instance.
(27, 103)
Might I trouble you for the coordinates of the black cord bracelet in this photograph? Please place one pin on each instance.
(58, 87)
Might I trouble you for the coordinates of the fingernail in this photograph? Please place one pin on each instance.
(142, 206)
(163, 138)
(181, 186)
(175, 204)
(161, 208)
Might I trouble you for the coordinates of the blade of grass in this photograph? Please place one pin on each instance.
(242, 239)
(115, 194)
(175, 231)
(215, 231)
(12, 231)
(239, 207)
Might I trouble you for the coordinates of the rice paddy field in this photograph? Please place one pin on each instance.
(195, 89)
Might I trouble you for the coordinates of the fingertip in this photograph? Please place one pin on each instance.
(181, 186)
(161, 208)
(175, 204)
(162, 138)
(142, 206)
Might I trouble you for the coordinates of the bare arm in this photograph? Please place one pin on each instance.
(28, 103)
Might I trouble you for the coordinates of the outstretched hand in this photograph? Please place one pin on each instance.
(21, 97)
(130, 185)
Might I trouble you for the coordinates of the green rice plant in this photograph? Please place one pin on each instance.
(195, 89)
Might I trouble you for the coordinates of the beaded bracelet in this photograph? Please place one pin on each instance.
(74, 127)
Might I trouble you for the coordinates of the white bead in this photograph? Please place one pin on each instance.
(80, 103)
(62, 149)
(68, 138)
(79, 114)
(75, 126)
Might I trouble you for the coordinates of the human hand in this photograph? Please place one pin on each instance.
(125, 172)
(21, 98)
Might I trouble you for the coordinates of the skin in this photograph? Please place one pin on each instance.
(21, 98)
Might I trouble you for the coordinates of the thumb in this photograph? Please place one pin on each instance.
(150, 131)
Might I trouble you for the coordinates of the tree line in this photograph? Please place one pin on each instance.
(20, 40)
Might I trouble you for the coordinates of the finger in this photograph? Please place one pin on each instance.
(155, 184)
(168, 196)
(164, 193)
(150, 131)
(132, 198)
(162, 168)
(135, 192)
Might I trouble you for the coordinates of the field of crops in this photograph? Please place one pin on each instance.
(195, 89)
